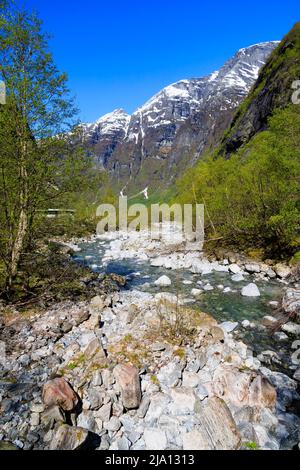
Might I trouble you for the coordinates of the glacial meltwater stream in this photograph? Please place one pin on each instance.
(229, 306)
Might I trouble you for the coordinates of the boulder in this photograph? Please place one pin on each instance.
(86, 420)
(52, 416)
(59, 392)
(243, 388)
(163, 281)
(253, 268)
(291, 302)
(234, 268)
(251, 290)
(217, 429)
(282, 270)
(228, 326)
(196, 292)
(128, 381)
(291, 328)
(69, 438)
(237, 277)
(183, 401)
(155, 439)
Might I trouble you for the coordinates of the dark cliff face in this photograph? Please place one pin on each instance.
(173, 129)
(272, 90)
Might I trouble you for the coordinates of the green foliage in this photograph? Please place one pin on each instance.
(252, 199)
(40, 165)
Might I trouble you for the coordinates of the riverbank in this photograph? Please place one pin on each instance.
(144, 367)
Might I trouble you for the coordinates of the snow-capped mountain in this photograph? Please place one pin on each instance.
(174, 128)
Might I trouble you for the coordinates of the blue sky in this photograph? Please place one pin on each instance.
(117, 54)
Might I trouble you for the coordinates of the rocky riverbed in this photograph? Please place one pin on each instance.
(146, 368)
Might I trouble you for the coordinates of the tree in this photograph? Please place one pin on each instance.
(39, 163)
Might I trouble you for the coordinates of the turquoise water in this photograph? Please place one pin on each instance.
(222, 306)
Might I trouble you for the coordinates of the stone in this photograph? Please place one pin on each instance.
(251, 290)
(170, 374)
(34, 419)
(128, 381)
(97, 379)
(121, 444)
(208, 288)
(144, 407)
(234, 268)
(59, 392)
(291, 302)
(228, 326)
(163, 281)
(97, 304)
(269, 321)
(270, 273)
(94, 348)
(252, 268)
(291, 328)
(113, 425)
(183, 401)
(158, 347)
(80, 316)
(252, 363)
(51, 416)
(104, 413)
(296, 375)
(69, 438)
(280, 336)
(282, 270)
(86, 420)
(243, 388)
(246, 324)
(190, 379)
(157, 407)
(237, 278)
(216, 431)
(155, 439)
(95, 398)
(196, 292)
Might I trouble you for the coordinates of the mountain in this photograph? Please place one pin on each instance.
(272, 90)
(173, 129)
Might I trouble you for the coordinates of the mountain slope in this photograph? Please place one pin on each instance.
(272, 90)
(173, 129)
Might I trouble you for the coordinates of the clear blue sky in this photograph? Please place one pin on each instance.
(118, 53)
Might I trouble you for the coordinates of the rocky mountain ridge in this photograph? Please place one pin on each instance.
(173, 128)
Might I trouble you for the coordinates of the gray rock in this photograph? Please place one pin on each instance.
(121, 444)
(163, 281)
(104, 413)
(228, 326)
(144, 406)
(155, 439)
(113, 425)
(291, 328)
(95, 398)
(69, 438)
(86, 420)
(216, 430)
(237, 278)
(251, 291)
(253, 268)
(170, 374)
(296, 375)
(234, 268)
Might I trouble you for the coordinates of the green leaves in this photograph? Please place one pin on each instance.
(253, 197)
